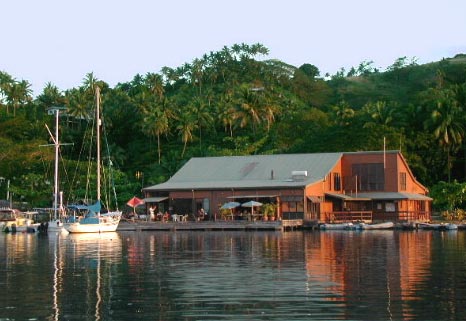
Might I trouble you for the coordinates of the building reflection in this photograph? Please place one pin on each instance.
(374, 274)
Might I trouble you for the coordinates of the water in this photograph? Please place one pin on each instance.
(332, 275)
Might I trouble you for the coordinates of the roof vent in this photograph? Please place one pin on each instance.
(298, 175)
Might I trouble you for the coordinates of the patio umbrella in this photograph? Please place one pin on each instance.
(251, 204)
(134, 202)
(230, 205)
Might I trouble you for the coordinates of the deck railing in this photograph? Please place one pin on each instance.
(348, 216)
(369, 216)
(404, 216)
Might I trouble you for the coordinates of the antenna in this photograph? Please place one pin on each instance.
(384, 157)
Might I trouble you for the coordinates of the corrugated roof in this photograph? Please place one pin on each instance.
(256, 171)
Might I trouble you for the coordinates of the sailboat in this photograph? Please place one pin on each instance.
(56, 224)
(93, 221)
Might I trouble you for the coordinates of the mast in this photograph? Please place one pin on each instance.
(56, 143)
(97, 93)
(57, 146)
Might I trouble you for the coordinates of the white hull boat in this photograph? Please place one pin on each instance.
(56, 226)
(95, 224)
(337, 226)
(376, 226)
(438, 226)
(12, 220)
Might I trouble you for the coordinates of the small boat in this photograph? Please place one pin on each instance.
(461, 226)
(337, 226)
(376, 226)
(407, 226)
(93, 221)
(438, 226)
(12, 220)
(449, 226)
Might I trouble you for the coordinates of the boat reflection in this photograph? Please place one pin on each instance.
(91, 259)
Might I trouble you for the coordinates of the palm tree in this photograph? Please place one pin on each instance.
(6, 81)
(248, 109)
(89, 83)
(446, 123)
(79, 105)
(156, 123)
(186, 126)
(204, 119)
(226, 113)
(380, 113)
(343, 113)
(197, 73)
(50, 96)
(154, 83)
(18, 94)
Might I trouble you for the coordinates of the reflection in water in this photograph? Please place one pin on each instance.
(370, 273)
(92, 258)
(344, 275)
(57, 278)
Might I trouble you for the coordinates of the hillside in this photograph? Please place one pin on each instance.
(230, 103)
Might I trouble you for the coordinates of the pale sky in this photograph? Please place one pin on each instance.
(60, 41)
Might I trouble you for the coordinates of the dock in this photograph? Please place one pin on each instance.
(209, 226)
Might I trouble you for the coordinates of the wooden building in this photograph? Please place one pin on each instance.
(321, 187)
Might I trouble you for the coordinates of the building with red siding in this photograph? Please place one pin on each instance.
(321, 187)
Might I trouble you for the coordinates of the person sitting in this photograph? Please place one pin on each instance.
(200, 214)
(166, 217)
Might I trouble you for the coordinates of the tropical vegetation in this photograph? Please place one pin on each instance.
(237, 102)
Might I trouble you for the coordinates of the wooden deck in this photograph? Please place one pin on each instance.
(208, 226)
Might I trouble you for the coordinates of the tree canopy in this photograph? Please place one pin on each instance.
(237, 102)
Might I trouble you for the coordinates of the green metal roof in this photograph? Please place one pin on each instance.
(256, 171)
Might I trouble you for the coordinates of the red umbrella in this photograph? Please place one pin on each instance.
(134, 202)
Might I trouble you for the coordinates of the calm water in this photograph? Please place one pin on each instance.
(332, 275)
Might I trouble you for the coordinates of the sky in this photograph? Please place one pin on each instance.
(60, 41)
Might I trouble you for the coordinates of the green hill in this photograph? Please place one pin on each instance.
(231, 103)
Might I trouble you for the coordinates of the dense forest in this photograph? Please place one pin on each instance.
(237, 102)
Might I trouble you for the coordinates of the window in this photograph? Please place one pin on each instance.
(285, 206)
(329, 181)
(336, 182)
(300, 207)
(370, 177)
(403, 181)
(390, 207)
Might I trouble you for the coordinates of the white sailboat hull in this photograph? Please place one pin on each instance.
(105, 223)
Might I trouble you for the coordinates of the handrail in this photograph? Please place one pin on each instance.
(351, 216)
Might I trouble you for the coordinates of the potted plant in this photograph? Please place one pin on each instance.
(269, 211)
